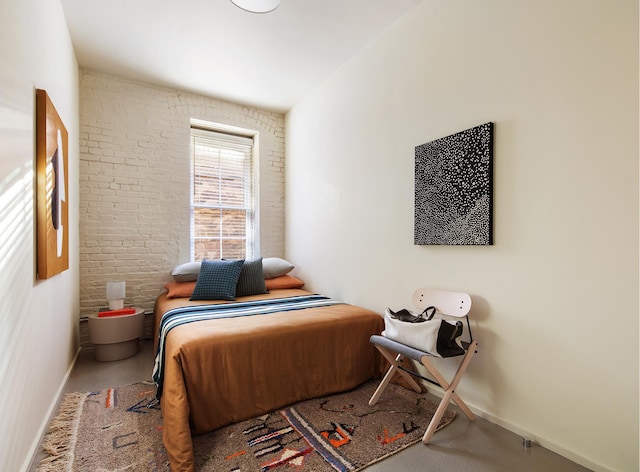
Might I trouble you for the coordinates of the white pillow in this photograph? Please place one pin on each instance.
(187, 272)
(275, 267)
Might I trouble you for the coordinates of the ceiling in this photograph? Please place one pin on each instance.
(211, 47)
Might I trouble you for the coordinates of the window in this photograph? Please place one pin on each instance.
(222, 206)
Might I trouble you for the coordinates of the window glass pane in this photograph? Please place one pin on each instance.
(206, 192)
(206, 180)
(206, 249)
(234, 224)
(206, 222)
(232, 179)
(233, 248)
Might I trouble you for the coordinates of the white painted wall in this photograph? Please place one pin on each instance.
(135, 182)
(38, 318)
(556, 296)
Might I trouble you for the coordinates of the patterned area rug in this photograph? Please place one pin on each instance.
(121, 429)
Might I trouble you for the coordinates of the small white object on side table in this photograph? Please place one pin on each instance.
(116, 337)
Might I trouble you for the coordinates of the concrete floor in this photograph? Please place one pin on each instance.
(477, 446)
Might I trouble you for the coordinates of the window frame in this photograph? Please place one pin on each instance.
(234, 136)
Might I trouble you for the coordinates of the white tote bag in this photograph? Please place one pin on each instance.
(437, 337)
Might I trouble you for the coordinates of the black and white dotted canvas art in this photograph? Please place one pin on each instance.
(454, 189)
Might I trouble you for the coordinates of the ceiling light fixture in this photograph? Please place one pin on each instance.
(257, 6)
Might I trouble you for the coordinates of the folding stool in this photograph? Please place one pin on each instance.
(456, 304)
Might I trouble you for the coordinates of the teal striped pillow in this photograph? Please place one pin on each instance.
(217, 280)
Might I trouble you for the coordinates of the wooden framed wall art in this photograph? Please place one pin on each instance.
(52, 183)
(454, 189)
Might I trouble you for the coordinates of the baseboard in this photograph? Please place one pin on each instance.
(35, 447)
(542, 441)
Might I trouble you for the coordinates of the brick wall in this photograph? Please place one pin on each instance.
(134, 182)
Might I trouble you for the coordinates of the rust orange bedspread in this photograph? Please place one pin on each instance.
(226, 370)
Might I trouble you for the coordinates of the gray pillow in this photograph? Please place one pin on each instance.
(275, 267)
(251, 281)
(187, 272)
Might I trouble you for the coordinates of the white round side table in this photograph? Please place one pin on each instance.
(116, 337)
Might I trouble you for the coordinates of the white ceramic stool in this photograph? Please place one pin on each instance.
(116, 337)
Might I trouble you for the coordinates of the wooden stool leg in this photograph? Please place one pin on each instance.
(394, 361)
(437, 416)
(385, 381)
(449, 393)
(445, 385)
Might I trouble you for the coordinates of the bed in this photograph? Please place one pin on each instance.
(220, 371)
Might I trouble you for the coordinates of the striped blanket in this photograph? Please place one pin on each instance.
(190, 314)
